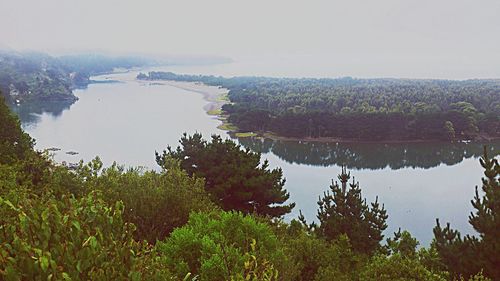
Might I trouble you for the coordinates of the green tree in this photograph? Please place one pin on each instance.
(469, 255)
(14, 142)
(449, 130)
(233, 176)
(344, 211)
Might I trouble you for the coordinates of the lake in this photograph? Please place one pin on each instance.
(124, 120)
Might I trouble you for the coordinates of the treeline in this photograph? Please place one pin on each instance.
(213, 212)
(359, 109)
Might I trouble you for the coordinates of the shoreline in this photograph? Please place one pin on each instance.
(216, 96)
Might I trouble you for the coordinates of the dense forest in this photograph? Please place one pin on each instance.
(214, 212)
(359, 109)
(28, 77)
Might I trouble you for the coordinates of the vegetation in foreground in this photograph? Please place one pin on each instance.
(98, 223)
(358, 109)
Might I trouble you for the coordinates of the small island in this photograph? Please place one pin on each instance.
(348, 109)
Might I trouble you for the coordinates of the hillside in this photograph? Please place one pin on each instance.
(26, 77)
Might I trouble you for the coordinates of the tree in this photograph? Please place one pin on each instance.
(343, 211)
(449, 130)
(14, 143)
(467, 256)
(234, 177)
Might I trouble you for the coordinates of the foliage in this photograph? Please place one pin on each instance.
(467, 256)
(477, 277)
(343, 211)
(368, 109)
(217, 245)
(234, 177)
(315, 258)
(14, 142)
(404, 262)
(45, 238)
(256, 270)
(397, 267)
(156, 203)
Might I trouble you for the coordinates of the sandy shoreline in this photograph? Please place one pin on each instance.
(213, 94)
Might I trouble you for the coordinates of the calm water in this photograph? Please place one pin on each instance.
(127, 121)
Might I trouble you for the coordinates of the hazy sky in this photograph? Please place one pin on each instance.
(369, 38)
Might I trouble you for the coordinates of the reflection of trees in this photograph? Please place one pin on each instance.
(29, 112)
(370, 155)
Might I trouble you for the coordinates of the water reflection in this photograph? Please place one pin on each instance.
(371, 156)
(29, 112)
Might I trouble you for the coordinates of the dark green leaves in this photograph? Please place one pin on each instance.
(234, 177)
(343, 211)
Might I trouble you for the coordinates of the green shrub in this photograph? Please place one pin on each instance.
(155, 202)
(314, 258)
(403, 262)
(215, 246)
(44, 238)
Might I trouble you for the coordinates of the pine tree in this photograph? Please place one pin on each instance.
(486, 220)
(468, 256)
(234, 177)
(342, 210)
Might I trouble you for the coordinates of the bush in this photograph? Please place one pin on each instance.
(403, 262)
(216, 246)
(44, 238)
(314, 258)
(155, 202)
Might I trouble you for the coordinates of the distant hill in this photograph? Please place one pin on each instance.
(36, 76)
(30, 76)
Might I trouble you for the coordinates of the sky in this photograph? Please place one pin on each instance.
(454, 39)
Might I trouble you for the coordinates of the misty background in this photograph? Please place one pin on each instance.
(451, 39)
